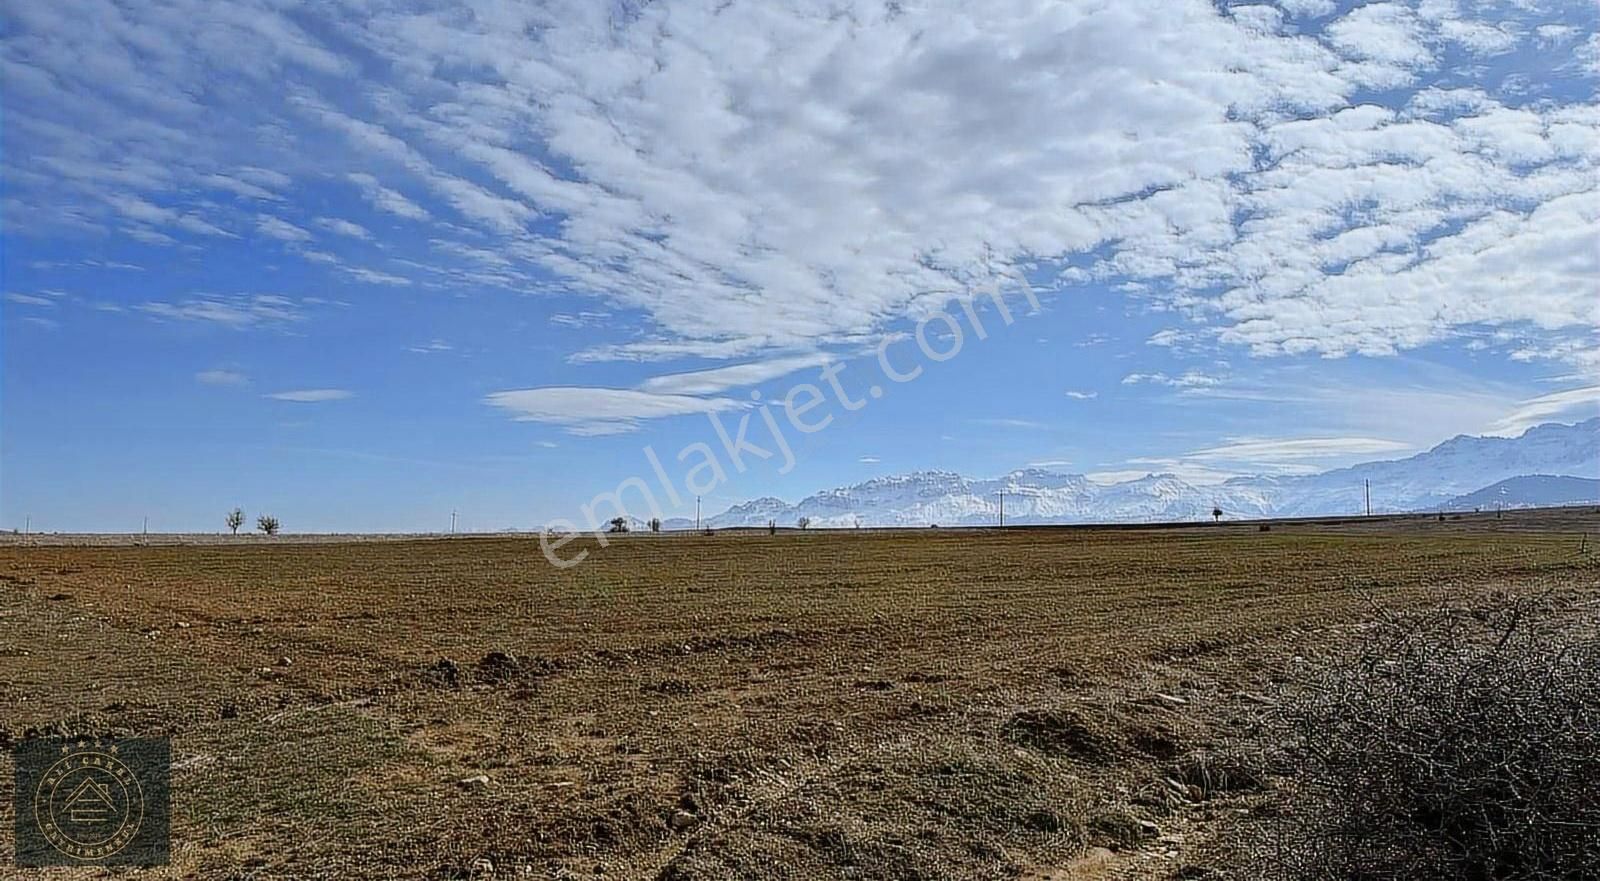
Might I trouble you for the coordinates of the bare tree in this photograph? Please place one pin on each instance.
(803, 523)
(655, 524)
(618, 524)
(1216, 515)
(268, 524)
(235, 520)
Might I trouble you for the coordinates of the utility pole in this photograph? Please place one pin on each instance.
(696, 513)
(1368, 484)
(452, 522)
(1002, 496)
(146, 529)
(27, 525)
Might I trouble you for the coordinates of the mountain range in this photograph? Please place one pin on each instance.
(1450, 475)
(1532, 491)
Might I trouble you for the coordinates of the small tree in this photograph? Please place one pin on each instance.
(618, 524)
(655, 524)
(268, 524)
(772, 527)
(235, 520)
(803, 523)
(1216, 515)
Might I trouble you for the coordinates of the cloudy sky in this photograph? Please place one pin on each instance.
(362, 263)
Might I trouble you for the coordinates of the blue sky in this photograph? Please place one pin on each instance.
(359, 265)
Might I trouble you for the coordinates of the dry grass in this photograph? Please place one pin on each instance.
(1459, 743)
(927, 704)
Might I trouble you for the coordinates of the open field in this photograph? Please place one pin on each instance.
(894, 704)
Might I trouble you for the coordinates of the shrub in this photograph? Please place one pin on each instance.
(1460, 745)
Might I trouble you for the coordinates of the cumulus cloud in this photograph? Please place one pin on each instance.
(1192, 379)
(766, 178)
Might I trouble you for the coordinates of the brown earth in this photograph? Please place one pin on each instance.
(1028, 703)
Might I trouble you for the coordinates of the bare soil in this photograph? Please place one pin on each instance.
(1029, 703)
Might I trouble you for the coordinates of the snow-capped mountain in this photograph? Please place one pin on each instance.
(1421, 482)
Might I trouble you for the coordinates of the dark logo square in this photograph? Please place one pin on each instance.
(93, 802)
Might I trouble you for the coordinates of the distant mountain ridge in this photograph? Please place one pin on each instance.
(1426, 481)
(1532, 491)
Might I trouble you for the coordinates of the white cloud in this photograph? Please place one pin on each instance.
(344, 227)
(30, 300)
(1309, 8)
(1575, 403)
(386, 199)
(708, 382)
(312, 396)
(1386, 33)
(149, 236)
(664, 350)
(1192, 379)
(581, 319)
(1588, 54)
(240, 187)
(1479, 37)
(759, 178)
(221, 377)
(869, 460)
(599, 411)
(1260, 451)
(236, 312)
(374, 276)
(1082, 396)
(603, 411)
(431, 347)
(280, 229)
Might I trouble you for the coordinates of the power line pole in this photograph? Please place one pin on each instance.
(452, 522)
(1368, 484)
(146, 528)
(696, 513)
(1002, 496)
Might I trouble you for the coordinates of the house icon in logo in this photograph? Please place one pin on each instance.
(90, 804)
